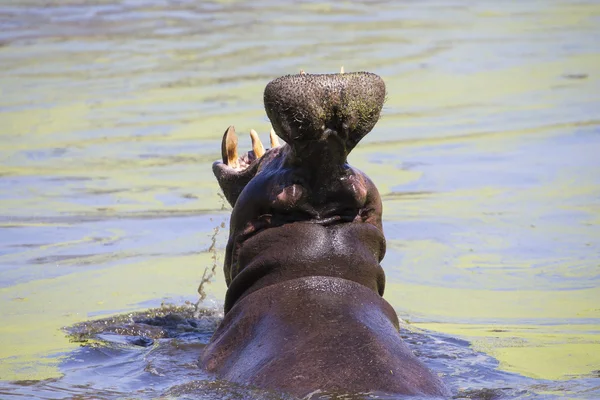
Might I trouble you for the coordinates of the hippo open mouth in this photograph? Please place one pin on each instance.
(305, 247)
(321, 118)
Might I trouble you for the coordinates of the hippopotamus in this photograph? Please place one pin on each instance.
(304, 311)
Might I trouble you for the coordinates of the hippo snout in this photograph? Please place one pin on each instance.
(332, 110)
(321, 118)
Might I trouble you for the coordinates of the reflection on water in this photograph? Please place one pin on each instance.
(486, 157)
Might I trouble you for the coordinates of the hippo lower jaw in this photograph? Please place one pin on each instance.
(304, 308)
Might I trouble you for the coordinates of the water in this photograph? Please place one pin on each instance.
(486, 158)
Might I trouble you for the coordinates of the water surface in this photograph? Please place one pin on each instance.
(111, 113)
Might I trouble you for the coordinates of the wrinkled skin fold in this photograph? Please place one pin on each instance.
(304, 308)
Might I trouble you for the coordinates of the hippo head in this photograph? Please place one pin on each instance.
(293, 201)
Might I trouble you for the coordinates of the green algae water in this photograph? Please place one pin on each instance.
(487, 158)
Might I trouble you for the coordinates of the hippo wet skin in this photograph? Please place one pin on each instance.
(304, 310)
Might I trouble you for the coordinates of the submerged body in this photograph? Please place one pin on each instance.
(304, 308)
(317, 333)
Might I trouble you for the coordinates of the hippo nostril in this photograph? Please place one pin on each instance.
(336, 135)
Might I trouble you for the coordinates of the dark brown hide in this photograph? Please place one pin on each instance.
(304, 308)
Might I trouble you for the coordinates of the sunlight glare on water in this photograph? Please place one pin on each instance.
(487, 159)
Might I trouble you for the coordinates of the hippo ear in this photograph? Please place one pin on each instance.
(234, 173)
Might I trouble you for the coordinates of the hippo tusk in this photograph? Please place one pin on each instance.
(302, 72)
(257, 145)
(342, 70)
(229, 148)
(274, 139)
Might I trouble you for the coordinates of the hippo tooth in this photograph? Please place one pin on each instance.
(229, 148)
(274, 139)
(302, 72)
(342, 70)
(257, 145)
